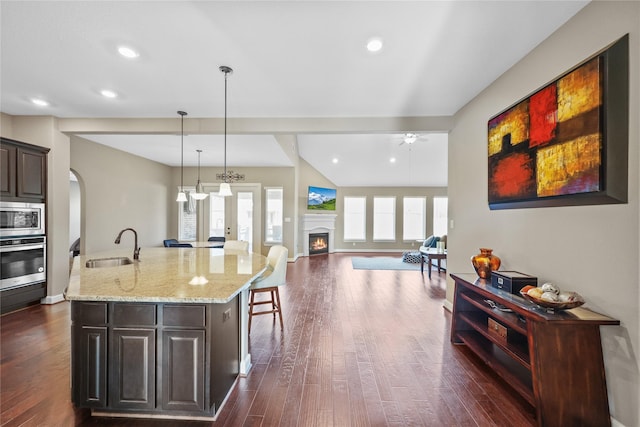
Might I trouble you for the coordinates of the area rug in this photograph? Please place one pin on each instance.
(382, 263)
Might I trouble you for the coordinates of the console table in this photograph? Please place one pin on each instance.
(553, 360)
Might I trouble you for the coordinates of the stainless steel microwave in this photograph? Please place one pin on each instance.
(22, 219)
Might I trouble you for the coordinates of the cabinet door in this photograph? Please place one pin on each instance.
(132, 378)
(7, 170)
(225, 349)
(89, 353)
(183, 369)
(32, 171)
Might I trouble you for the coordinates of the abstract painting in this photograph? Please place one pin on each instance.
(551, 148)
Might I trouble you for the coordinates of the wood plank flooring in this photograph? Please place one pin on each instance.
(359, 348)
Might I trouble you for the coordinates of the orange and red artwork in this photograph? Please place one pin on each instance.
(551, 143)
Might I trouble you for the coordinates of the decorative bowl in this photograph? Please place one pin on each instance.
(556, 305)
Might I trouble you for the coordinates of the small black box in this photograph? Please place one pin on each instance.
(512, 281)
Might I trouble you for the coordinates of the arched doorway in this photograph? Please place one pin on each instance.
(75, 215)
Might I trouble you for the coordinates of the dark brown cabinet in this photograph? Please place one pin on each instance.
(7, 170)
(132, 362)
(89, 354)
(183, 369)
(23, 169)
(91, 367)
(553, 360)
(171, 359)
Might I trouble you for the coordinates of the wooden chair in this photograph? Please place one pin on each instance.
(236, 245)
(268, 282)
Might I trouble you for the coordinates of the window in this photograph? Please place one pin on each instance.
(187, 219)
(384, 218)
(273, 220)
(244, 209)
(216, 215)
(414, 218)
(355, 218)
(440, 208)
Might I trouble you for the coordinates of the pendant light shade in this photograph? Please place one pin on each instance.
(199, 194)
(182, 197)
(225, 188)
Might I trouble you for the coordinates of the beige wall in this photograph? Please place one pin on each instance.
(120, 190)
(42, 131)
(266, 177)
(590, 249)
(370, 193)
(310, 176)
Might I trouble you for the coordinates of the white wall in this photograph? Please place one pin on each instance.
(593, 250)
(74, 211)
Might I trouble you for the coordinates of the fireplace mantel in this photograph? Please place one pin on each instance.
(318, 223)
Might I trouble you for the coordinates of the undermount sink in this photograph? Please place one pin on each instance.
(108, 262)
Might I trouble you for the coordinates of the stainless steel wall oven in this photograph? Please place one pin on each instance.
(23, 261)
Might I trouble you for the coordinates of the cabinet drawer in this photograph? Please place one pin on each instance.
(134, 314)
(89, 313)
(497, 329)
(189, 316)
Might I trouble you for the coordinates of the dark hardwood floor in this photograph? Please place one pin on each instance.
(359, 348)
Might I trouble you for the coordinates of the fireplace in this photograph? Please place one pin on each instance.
(318, 243)
(314, 224)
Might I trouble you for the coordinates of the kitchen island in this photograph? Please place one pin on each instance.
(164, 336)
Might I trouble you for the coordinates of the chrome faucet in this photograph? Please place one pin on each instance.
(136, 249)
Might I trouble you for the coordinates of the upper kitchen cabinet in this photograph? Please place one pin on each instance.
(23, 171)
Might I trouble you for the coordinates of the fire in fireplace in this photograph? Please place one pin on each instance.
(318, 243)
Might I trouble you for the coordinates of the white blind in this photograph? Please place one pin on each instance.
(355, 220)
(414, 212)
(440, 209)
(384, 218)
(273, 220)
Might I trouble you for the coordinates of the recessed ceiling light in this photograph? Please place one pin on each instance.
(334, 160)
(127, 52)
(392, 160)
(108, 93)
(40, 102)
(374, 45)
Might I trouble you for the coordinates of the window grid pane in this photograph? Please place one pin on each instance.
(188, 220)
(384, 218)
(244, 221)
(355, 219)
(414, 218)
(216, 215)
(274, 214)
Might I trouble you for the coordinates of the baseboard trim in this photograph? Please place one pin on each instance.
(448, 306)
(52, 299)
(245, 365)
(382, 251)
(616, 423)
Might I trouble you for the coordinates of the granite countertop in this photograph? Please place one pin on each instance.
(189, 275)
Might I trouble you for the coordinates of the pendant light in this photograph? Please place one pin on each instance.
(182, 197)
(199, 194)
(225, 188)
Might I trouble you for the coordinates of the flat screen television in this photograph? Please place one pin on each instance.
(321, 199)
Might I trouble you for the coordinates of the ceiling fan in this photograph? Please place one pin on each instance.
(411, 138)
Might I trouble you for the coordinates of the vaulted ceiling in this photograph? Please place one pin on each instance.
(302, 60)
